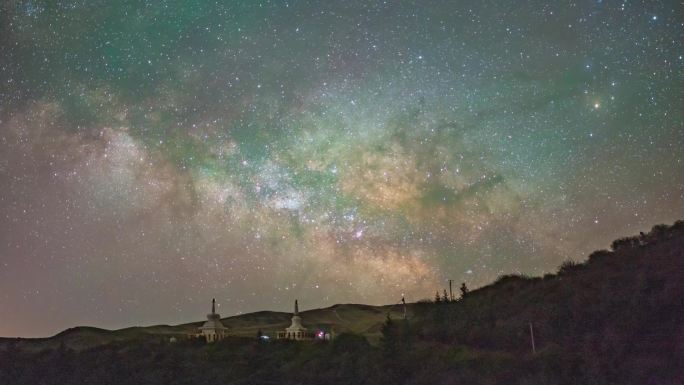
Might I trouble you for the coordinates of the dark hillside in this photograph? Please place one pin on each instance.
(619, 315)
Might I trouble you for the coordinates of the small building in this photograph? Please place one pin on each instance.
(296, 331)
(213, 329)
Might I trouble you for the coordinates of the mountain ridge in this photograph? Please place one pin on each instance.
(241, 325)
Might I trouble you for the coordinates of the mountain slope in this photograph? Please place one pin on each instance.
(355, 318)
(619, 315)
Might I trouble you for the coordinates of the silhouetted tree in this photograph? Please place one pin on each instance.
(568, 266)
(659, 232)
(438, 299)
(389, 335)
(625, 243)
(464, 290)
(445, 296)
(598, 255)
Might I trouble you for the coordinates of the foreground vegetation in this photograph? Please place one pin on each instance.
(618, 318)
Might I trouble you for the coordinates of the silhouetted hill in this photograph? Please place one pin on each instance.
(617, 318)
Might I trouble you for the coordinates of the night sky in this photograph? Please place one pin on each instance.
(154, 155)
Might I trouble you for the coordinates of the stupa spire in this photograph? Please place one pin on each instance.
(213, 329)
(296, 331)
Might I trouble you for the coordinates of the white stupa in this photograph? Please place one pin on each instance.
(213, 329)
(296, 331)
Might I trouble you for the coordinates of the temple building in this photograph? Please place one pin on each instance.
(213, 329)
(296, 331)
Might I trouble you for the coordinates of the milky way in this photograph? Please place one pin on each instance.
(154, 155)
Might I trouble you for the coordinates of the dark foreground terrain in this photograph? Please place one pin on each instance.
(618, 318)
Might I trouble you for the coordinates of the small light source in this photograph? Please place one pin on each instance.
(596, 106)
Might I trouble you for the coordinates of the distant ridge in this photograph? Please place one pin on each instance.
(367, 321)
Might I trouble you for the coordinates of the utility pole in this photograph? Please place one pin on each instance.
(534, 350)
(403, 302)
(451, 293)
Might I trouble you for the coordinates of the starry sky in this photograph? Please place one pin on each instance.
(156, 154)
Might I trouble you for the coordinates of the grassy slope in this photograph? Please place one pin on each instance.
(360, 319)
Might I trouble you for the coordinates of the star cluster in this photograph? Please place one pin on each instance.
(157, 154)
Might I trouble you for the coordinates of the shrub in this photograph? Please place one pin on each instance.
(568, 266)
(659, 232)
(625, 243)
(598, 255)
